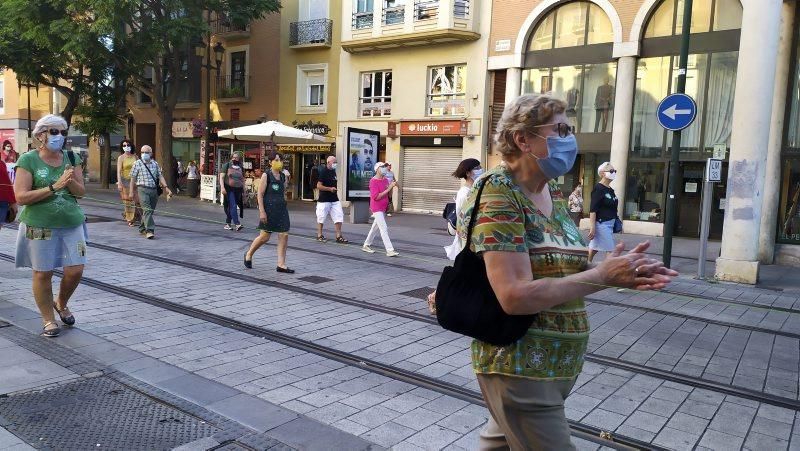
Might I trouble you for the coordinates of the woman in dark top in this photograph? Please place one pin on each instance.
(273, 213)
(603, 212)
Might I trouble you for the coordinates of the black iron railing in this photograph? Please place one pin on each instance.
(394, 15)
(233, 86)
(317, 31)
(226, 26)
(363, 20)
(426, 9)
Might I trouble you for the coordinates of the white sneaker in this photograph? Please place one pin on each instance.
(367, 249)
(392, 253)
(228, 227)
(150, 235)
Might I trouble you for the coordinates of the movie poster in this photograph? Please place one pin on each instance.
(362, 154)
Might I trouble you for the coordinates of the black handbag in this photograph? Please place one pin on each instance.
(159, 189)
(617, 225)
(449, 215)
(466, 303)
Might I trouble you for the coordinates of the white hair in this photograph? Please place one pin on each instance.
(49, 121)
(603, 167)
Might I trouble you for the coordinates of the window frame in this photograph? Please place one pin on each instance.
(374, 99)
(453, 95)
(305, 79)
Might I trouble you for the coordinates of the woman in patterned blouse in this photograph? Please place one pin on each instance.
(536, 260)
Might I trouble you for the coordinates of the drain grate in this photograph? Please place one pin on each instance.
(99, 414)
(419, 293)
(315, 279)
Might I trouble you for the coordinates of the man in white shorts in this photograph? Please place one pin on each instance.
(328, 201)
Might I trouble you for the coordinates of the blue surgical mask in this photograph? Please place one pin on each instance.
(55, 142)
(561, 156)
(333, 166)
(146, 157)
(477, 173)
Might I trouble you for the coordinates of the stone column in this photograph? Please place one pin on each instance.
(623, 116)
(513, 83)
(769, 219)
(752, 112)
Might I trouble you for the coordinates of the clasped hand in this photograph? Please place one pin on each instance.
(65, 179)
(635, 269)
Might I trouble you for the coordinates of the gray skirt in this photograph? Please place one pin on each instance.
(603, 237)
(45, 249)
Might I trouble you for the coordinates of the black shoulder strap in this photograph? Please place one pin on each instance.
(475, 209)
(71, 156)
(151, 174)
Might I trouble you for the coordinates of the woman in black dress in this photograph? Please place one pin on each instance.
(273, 213)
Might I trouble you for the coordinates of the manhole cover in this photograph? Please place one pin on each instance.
(99, 414)
(419, 293)
(315, 279)
(93, 219)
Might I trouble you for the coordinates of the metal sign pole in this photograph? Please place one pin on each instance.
(674, 168)
(705, 225)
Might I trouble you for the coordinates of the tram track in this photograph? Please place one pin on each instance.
(614, 362)
(687, 295)
(578, 429)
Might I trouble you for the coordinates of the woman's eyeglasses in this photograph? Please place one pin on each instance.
(563, 129)
(613, 171)
(55, 131)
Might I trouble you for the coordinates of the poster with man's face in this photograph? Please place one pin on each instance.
(362, 154)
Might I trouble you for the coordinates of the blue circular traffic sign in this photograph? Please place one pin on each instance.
(676, 112)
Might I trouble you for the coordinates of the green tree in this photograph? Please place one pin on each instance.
(158, 34)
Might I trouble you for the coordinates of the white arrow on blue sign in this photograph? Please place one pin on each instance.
(676, 112)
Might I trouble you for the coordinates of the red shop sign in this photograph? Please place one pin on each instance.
(433, 128)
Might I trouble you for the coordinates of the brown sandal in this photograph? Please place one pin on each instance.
(51, 332)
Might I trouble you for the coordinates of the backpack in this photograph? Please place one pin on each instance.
(449, 215)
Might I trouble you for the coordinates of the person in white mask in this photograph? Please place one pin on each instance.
(52, 230)
(468, 170)
(129, 198)
(603, 212)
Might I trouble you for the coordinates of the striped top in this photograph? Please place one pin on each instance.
(508, 221)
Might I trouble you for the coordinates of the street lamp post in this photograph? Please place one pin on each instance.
(204, 49)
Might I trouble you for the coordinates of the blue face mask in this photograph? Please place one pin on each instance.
(477, 173)
(146, 157)
(561, 156)
(55, 142)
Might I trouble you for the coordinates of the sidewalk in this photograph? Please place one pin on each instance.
(427, 233)
(83, 392)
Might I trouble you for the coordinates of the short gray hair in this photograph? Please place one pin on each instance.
(146, 147)
(602, 168)
(49, 121)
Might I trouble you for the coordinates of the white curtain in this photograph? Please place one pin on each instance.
(721, 90)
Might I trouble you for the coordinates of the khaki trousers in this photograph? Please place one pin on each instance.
(526, 414)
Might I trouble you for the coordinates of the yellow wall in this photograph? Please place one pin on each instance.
(290, 58)
(409, 66)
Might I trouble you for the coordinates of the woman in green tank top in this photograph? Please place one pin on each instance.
(52, 232)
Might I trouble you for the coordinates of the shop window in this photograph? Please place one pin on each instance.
(542, 38)
(536, 81)
(568, 85)
(571, 25)
(662, 21)
(719, 106)
(789, 212)
(652, 84)
(701, 16)
(644, 191)
(599, 30)
(598, 110)
(696, 73)
(727, 15)
(447, 92)
(376, 94)
(312, 80)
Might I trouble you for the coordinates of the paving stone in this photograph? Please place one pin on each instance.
(419, 419)
(659, 407)
(716, 440)
(633, 432)
(374, 416)
(646, 421)
(331, 413)
(405, 402)
(605, 420)
(365, 399)
(463, 422)
(772, 428)
(675, 439)
(756, 441)
(434, 437)
(689, 424)
(388, 434)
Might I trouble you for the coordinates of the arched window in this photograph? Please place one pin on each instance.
(570, 55)
(710, 80)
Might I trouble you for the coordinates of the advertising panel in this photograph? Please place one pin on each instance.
(362, 154)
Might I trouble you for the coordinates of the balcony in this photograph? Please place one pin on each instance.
(233, 88)
(414, 23)
(225, 29)
(311, 34)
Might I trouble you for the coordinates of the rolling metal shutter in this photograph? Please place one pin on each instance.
(427, 184)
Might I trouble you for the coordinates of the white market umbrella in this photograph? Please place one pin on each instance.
(272, 131)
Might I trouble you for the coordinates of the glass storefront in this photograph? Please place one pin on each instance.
(789, 208)
(711, 81)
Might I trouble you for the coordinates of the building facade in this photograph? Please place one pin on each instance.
(414, 72)
(244, 90)
(309, 80)
(613, 61)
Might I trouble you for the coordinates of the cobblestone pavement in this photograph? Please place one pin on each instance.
(716, 367)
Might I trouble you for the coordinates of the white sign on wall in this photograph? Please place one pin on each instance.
(714, 170)
(208, 187)
(182, 130)
(503, 45)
